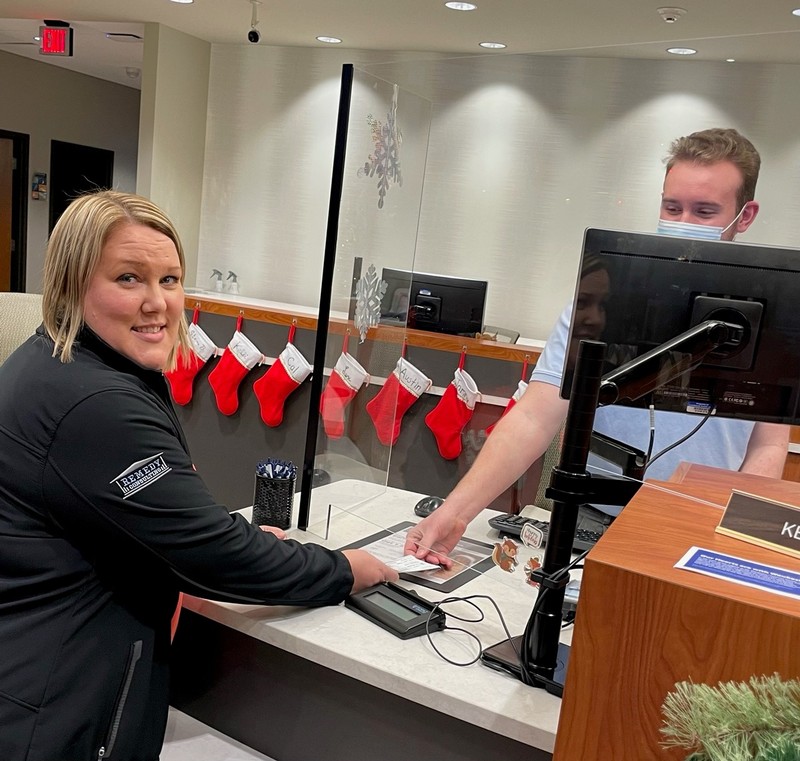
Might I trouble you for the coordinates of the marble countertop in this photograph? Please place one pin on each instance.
(337, 638)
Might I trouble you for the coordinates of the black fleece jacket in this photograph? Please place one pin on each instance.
(103, 520)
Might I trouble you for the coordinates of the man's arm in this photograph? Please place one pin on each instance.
(766, 450)
(517, 441)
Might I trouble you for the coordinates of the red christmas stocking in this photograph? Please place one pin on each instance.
(288, 371)
(347, 377)
(521, 386)
(402, 388)
(182, 377)
(238, 359)
(449, 417)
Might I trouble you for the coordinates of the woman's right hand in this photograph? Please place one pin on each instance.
(368, 570)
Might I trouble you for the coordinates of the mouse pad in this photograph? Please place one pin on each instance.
(471, 558)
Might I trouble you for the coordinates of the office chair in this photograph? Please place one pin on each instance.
(503, 335)
(20, 315)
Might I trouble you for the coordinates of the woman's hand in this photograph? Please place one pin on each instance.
(279, 532)
(368, 570)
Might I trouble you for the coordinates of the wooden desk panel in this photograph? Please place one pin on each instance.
(643, 625)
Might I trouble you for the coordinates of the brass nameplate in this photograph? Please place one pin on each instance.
(762, 521)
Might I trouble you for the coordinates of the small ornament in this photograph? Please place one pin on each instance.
(531, 536)
(534, 564)
(385, 157)
(505, 554)
(370, 291)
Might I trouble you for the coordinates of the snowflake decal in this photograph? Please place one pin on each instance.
(384, 161)
(369, 293)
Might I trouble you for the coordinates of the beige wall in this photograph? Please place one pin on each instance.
(524, 153)
(51, 103)
(172, 130)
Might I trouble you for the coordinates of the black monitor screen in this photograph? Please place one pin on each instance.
(658, 286)
(438, 303)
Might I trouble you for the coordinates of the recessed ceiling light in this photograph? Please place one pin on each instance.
(185, 2)
(37, 38)
(329, 40)
(731, 60)
(681, 51)
(796, 12)
(492, 45)
(461, 6)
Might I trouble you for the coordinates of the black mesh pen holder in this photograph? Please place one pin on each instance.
(273, 500)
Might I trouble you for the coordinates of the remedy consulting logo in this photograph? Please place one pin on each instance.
(141, 474)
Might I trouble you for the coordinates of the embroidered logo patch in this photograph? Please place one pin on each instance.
(141, 474)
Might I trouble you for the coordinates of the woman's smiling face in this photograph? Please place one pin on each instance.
(134, 301)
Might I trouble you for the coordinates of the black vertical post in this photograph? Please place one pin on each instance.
(326, 287)
(541, 638)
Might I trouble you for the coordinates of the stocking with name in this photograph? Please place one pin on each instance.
(285, 375)
(238, 359)
(181, 379)
(402, 388)
(448, 419)
(347, 377)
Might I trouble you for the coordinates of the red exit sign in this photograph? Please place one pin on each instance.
(55, 40)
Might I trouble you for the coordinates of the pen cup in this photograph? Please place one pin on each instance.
(273, 500)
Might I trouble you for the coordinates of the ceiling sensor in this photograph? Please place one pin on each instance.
(123, 37)
(671, 15)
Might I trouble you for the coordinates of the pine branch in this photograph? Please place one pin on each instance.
(755, 721)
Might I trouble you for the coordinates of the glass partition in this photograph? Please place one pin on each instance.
(366, 383)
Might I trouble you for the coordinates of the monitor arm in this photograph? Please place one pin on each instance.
(629, 382)
(571, 485)
(658, 366)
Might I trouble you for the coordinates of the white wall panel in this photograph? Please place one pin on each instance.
(525, 152)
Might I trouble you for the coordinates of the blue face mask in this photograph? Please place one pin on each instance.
(689, 230)
(692, 230)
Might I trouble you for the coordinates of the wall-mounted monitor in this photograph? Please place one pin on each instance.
(657, 287)
(438, 303)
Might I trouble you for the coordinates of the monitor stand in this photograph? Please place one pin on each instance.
(503, 657)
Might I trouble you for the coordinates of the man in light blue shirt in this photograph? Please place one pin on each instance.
(708, 192)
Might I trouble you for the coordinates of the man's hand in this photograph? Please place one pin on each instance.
(368, 570)
(434, 537)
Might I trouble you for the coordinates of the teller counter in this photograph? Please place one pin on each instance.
(325, 683)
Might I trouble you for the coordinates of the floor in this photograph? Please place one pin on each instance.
(187, 739)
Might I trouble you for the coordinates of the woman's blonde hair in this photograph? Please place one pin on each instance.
(73, 254)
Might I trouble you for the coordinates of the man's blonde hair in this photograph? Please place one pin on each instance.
(710, 146)
(73, 254)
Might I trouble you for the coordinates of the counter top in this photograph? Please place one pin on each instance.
(339, 639)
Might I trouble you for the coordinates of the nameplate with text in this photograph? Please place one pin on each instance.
(771, 524)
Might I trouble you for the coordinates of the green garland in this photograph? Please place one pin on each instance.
(755, 721)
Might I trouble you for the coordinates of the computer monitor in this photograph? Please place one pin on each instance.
(657, 287)
(439, 303)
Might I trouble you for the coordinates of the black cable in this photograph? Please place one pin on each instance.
(680, 441)
(524, 663)
(652, 435)
(522, 658)
(481, 616)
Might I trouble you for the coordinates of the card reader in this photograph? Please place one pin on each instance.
(400, 611)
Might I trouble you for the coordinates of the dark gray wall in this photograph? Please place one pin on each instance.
(295, 710)
(226, 449)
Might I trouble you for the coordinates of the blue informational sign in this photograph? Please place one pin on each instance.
(770, 578)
